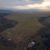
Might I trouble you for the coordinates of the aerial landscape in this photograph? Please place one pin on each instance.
(20, 28)
(25, 28)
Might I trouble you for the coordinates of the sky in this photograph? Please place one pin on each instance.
(25, 4)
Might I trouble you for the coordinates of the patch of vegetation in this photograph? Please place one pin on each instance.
(27, 28)
(44, 33)
(5, 23)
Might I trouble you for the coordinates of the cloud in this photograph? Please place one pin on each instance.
(25, 4)
(45, 5)
(11, 3)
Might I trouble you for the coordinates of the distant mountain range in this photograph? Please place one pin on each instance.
(5, 11)
(26, 10)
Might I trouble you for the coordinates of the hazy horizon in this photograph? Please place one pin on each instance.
(35, 5)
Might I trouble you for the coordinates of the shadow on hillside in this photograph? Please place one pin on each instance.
(44, 34)
(6, 44)
(6, 23)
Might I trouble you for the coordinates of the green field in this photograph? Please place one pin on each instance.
(28, 25)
